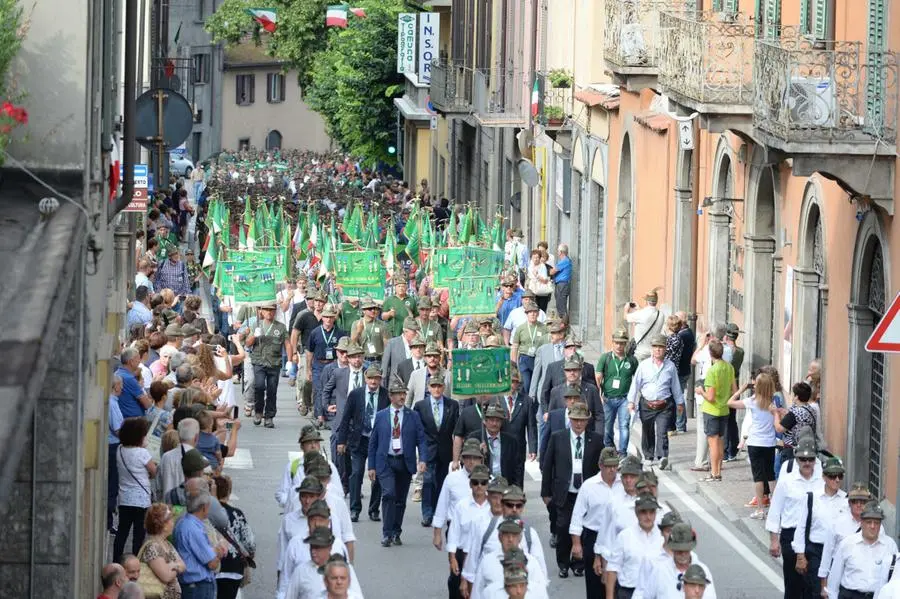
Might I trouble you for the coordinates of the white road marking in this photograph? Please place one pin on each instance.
(241, 460)
(533, 470)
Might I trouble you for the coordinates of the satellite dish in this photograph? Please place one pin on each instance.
(528, 173)
(177, 117)
(515, 200)
(525, 140)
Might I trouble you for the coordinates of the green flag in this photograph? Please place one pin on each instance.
(353, 222)
(390, 252)
(287, 254)
(248, 212)
(497, 233)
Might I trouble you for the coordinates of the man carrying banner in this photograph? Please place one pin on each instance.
(267, 339)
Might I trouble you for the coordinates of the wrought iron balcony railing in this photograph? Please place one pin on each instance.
(810, 91)
(557, 101)
(497, 96)
(451, 86)
(707, 57)
(632, 36)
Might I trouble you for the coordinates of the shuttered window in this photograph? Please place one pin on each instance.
(772, 18)
(875, 65)
(820, 18)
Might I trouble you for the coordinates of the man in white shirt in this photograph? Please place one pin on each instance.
(294, 472)
(847, 522)
(817, 525)
(489, 578)
(294, 523)
(318, 515)
(648, 321)
(306, 580)
(170, 472)
(631, 547)
(667, 580)
(862, 561)
(518, 317)
(456, 488)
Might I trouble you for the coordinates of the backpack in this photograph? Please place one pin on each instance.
(492, 527)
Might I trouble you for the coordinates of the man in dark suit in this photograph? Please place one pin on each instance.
(471, 420)
(353, 434)
(554, 375)
(439, 415)
(590, 395)
(334, 397)
(520, 417)
(501, 450)
(557, 420)
(396, 436)
(572, 457)
(415, 361)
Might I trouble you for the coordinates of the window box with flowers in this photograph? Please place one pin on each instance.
(560, 78)
(554, 115)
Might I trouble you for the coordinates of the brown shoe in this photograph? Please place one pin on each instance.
(699, 468)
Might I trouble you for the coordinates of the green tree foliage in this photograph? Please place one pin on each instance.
(11, 34)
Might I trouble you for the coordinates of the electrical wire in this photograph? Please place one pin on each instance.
(44, 184)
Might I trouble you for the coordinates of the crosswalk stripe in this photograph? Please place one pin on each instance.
(533, 470)
(241, 460)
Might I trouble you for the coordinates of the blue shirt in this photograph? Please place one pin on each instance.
(439, 404)
(115, 420)
(139, 314)
(320, 342)
(128, 399)
(563, 271)
(509, 305)
(194, 548)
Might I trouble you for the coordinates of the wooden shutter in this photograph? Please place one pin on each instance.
(804, 16)
(772, 18)
(874, 65)
(238, 85)
(820, 19)
(281, 86)
(269, 97)
(251, 79)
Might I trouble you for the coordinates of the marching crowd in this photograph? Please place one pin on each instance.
(376, 377)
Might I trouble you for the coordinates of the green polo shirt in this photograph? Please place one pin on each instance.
(617, 374)
(404, 308)
(529, 337)
(720, 376)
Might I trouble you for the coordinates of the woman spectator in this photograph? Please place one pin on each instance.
(814, 379)
(226, 363)
(159, 418)
(143, 348)
(156, 340)
(136, 467)
(537, 280)
(761, 437)
(674, 345)
(152, 249)
(160, 368)
(790, 421)
(231, 573)
(158, 553)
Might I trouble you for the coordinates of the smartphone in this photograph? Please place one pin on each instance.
(751, 387)
(234, 412)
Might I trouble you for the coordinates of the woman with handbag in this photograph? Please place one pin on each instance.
(160, 563)
(537, 280)
(235, 570)
(136, 467)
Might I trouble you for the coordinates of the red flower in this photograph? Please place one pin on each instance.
(20, 115)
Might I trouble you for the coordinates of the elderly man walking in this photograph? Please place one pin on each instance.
(562, 278)
(201, 559)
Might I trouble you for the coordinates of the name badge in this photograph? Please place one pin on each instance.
(257, 332)
(430, 334)
(616, 383)
(576, 466)
(377, 329)
(329, 354)
(396, 445)
(370, 348)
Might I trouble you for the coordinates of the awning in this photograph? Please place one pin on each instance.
(410, 111)
(591, 97)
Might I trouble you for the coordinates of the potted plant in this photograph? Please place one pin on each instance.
(554, 115)
(560, 78)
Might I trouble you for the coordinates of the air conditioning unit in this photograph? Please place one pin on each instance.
(812, 101)
(632, 46)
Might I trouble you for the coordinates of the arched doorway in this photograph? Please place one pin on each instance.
(868, 374)
(812, 289)
(595, 242)
(273, 140)
(759, 254)
(722, 257)
(576, 236)
(624, 220)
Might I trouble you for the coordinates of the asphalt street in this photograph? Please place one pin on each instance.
(739, 567)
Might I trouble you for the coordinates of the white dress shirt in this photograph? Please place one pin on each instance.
(353, 383)
(468, 512)
(630, 548)
(455, 489)
(492, 545)
(892, 589)
(286, 494)
(399, 412)
(307, 582)
(494, 447)
(664, 582)
(824, 513)
(577, 464)
(589, 511)
(295, 524)
(861, 566)
(517, 316)
(843, 526)
(789, 499)
(489, 579)
(298, 554)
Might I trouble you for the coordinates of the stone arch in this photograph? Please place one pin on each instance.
(273, 140)
(577, 237)
(624, 227)
(596, 245)
(684, 283)
(868, 376)
(811, 299)
(760, 256)
(720, 235)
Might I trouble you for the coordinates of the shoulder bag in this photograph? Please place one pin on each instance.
(631, 346)
(152, 586)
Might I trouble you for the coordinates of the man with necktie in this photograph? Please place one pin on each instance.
(418, 381)
(439, 415)
(415, 361)
(353, 434)
(335, 392)
(397, 434)
(520, 417)
(544, 356)
(501, 449)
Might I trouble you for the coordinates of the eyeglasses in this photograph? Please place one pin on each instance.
(517, 506)
(478, 483)
(680, 583)
(806, 460)
(835, 476)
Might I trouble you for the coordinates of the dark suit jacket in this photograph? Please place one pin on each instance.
(470, 422)
(412, 438)
(522, 424)
(589, 395)
(352, 422)
(556, 421)
(555, 375)
(556, 467)
(336, 389)
(405, 369)
(512, 467)
(438, 439)
(394, 354)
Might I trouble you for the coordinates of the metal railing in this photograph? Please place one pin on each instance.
(633, 35)
(708, 56)
(815, 91)
(557, 103)
(498, 92)
(451, 86)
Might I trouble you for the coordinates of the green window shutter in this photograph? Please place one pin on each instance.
(773, 18)
(876, 25)
(717, 5)
(820, 20)
(731, 6)
(875, 64)
(804, 16)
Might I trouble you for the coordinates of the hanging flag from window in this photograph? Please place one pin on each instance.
(266, 17)
(535, 98)
(336, 16)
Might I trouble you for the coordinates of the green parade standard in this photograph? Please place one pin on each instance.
(480, 372)
(473, 296)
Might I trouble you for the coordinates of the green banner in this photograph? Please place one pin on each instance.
(376, 292)
(359, 268)
(461, 262)
(230, 270)
(480, 371)
(256, 286)
(267, 257)
(473, 295)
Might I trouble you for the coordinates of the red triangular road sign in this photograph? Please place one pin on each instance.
(886, 336)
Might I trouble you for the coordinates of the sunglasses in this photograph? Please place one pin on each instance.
(680, 584)
(517, 506)
(835, 476)
(478, 483)
(806, 460)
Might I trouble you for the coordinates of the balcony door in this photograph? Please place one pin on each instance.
(875, 83)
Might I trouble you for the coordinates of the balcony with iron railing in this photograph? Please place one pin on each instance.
(498, 97)
(557, 96)
(813, 92)
(632, 36)
(451, 86)
(706, 60)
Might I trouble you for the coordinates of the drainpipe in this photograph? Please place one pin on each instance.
(128, 142)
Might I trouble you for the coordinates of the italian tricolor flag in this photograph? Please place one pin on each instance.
(535, 98)
(266, 17)
(336, 16)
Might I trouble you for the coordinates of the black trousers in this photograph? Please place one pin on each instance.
(227, 588)
(793, 582)
(112, 485)
(655, 433)
(563, 538)
(453, 580)
(551, 512)
(811, 586)
(593, 584)
(851, 594)
(265, 387)
(130, 517)
(623, 592)
(732, 434)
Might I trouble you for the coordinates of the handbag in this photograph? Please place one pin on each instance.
(538, 288)
(631, 346)
(152, 586)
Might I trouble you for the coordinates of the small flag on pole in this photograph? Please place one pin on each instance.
(359, 12)
(336, 16)
(266, 17)
(535, 98)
